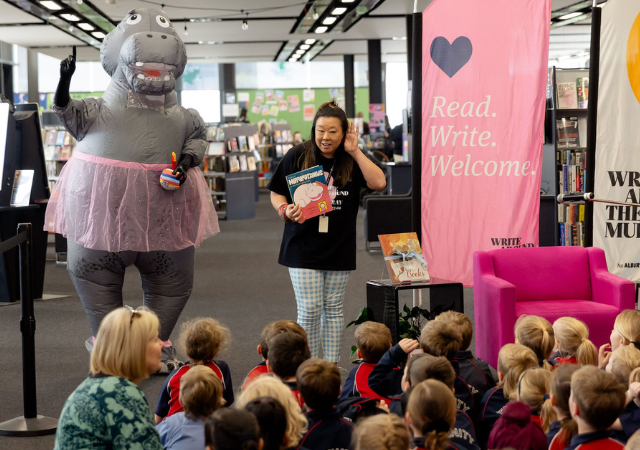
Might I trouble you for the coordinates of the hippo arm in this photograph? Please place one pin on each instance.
(78, 116)
(196, 143)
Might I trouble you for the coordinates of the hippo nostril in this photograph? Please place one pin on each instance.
(164, 36)
(149, 35)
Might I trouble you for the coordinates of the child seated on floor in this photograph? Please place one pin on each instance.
(626, 330)
(272, 419)
(269, 332)
(596, 401)
(286, 352)
(381, 432)
(513, 360)
(319, 384)
(431, 415)
(624, 364)
(536, 333)
(564, 428)
(200, 396)
(233, 429)
(373, 339)
(202, 339)
(474, 371)
(572, 342)
(533, 390)
(386, 377)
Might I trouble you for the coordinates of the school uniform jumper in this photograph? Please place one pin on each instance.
(420, 445)
(630, 419)
(491, 408)
(357, 383)
(179, 432)
(254, 373)
(598, 440)
(293, 387)
(169, 400)
(463, 434)
(476, 373)
(385, 378)
(327, 430)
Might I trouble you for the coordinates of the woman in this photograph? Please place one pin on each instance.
(321, 252)
(108, 410)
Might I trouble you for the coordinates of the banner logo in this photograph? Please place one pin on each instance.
(633, 57)
(450, 58)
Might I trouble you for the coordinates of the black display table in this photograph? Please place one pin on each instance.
(382, 299)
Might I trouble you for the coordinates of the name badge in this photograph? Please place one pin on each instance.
(323, 226)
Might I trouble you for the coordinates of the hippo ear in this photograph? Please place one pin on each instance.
(132, 12)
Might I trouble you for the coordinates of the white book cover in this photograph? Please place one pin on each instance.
(22, 183)
(567, 95)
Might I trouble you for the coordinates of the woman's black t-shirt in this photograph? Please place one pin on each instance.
(303, 246)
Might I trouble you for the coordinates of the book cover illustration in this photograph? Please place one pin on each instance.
(568, 134)
(403, 256)
(242, 144)
(309, 190)
(567, 97)
(582, 86)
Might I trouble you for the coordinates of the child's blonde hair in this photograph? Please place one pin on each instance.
(623, 361)
(561, 390)
(573, 338)
(432, 409)
(269, 386)
(462, 322)
(121, 345)
(381, 432)
(373, 339)
(440, 338)
(627, 325)
(513, 360)
(203, 338)
(533, 389)
(200, 392)
(599, 396)
(536, 333)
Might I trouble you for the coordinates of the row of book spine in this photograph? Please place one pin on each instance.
(571, 179)
(572, 235)
(570, 213)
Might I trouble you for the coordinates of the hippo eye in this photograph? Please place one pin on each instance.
(134, 19)
(163, 21)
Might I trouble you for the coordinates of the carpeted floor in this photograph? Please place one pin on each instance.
(237, 281)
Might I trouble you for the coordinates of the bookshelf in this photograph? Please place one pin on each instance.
(569, 100)
(280, 140)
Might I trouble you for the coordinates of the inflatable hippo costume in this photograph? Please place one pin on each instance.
(109, 202)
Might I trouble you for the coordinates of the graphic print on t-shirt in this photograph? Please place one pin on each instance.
(335, 192)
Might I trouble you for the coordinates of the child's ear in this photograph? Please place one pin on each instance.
(260, 444)
(285, 440)
(340, 392)
(268, 367)
(259, 348)
(407, 419)
(500, 376)
(359, 353)
(554, 401)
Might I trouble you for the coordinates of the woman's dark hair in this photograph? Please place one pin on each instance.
(343, 161)
(272, 419)
(232, 429)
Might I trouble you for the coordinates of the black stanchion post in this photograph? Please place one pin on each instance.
(592, 119)
(416, 126)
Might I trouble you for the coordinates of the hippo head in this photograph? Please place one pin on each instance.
(146, 51)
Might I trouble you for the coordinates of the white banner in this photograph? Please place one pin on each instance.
(616, 228)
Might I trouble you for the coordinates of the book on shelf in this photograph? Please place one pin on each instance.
(403, 257)
(234, 145)
(60, 138)
(234, 164)
(251, 163)
(243, 163)
(215, 148)
(251, 140)
(51, 137)
(242, 144)
(22, 183)
(568, 134)
(582, 92)
(277, 135)
(309, 190)
(279, 151)
(567, 96)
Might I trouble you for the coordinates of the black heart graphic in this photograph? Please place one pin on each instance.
(451, 57)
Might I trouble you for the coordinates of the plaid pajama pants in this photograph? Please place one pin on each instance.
(319, 298)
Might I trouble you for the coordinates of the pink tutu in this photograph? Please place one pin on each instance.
(111, 205)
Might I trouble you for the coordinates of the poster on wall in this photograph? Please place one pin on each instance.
(309, 112)
(284, 106)
(294, 106)
(483, 126)
(376, 117)
(308, 95)
(256, 108)
(279, 95)
(617, 169)
(259, 97)
(269, 93)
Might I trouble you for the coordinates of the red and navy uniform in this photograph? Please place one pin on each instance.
(491, 408)
(630, 419)
(464, 393)
(475, 372)
(169, 400)
(554, 429)
(357, 383)
(386, 377)
(463, 435)
(327, 430)
(598, 440)
(562, 358)
(293, 386)
(254, 373)
(420, 445)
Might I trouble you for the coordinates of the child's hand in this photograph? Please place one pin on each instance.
(604, 355)
(383, 406)
(408, 345)
(634, 390)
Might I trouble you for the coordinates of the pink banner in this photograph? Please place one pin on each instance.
(483, 99)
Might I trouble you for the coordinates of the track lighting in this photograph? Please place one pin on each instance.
(315, 13)
(245, 25)
(186, 32)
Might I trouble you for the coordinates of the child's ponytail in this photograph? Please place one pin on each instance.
(432, 410)
(533, 389)
(536, 333)
(513, 360)
(587, 353)
(436, 434)
(573, 338)
(561, 390)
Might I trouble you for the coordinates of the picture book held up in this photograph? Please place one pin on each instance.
(309, 190)
(404, 259)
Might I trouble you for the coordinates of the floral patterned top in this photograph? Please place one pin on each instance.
(107, 412)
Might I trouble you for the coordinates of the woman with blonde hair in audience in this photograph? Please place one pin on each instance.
(626, 330)
(269, 386)
(536, 333)
(572, 342)
(108, 409)
(381, 432)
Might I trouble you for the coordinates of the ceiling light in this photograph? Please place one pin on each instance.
(305, 47)
(329, 20)
(98, 35)
(399, 38)
(186, 32)
(321, 29)
(245, 25)
(338, 11)
(70, 17)
(86, 26)
(569, 16)
(315, 14)
(348, 1)
(310, 41)
(300, 52)
(51, 6)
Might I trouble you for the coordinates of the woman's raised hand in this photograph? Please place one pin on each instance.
(351, 139)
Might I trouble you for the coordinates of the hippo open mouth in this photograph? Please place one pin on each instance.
(152, 78)
(317, 197)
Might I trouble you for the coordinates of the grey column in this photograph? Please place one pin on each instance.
(375, 71)
(349, 86)
(33, 90)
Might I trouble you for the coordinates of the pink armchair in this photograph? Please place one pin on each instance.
(551, 282)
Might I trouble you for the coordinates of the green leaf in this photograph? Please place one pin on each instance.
(406, 309)
(354, 352)
(363, 317)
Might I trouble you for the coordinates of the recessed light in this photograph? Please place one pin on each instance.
(348, 1)
(399, 38)
(305, 47)
(51, 6)
(300, 52)
(570, 16)
(86, 26)
(338, 11)
(329, 20)
(321, 29)
(98, 35)
(310, 41)
(70, 17)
